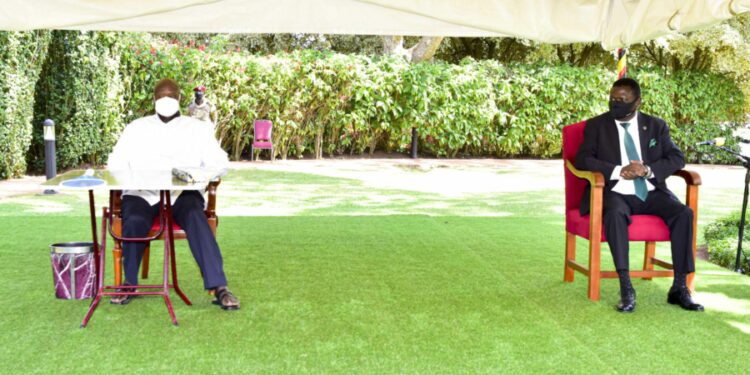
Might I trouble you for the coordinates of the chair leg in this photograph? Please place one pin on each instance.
(252, 152)
(273, 155)
(691, 282)
(648, 258)
(570, 254)
(144, 262)
(594, 269)
(117, 260)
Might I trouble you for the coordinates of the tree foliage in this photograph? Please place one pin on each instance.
(21, 58)
(328, 103)
(80, 88)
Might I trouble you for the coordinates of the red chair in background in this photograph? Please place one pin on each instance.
(262, 139)
(646, 228)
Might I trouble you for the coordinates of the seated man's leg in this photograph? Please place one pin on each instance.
(137, 218)
(616, 219)
(188, 212)
(679, 219)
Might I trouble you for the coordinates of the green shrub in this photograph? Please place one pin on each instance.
(328, 103)
(334, 103)
(81, 90)
(721, 237)
(21, 58)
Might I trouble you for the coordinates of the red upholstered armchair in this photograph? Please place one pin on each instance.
(646, 228)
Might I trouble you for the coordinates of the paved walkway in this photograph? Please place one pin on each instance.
(450, 177)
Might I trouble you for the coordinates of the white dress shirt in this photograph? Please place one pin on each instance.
(150, 144)
(627, 187)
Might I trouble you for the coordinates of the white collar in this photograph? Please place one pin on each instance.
(632, 121)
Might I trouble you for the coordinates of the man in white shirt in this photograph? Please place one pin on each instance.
(636, 154)
(160, 142)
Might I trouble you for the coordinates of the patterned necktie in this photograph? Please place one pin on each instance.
(641, 191)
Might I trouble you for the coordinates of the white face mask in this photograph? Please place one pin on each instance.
(167, 106)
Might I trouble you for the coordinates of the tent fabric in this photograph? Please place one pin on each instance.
(613, 23)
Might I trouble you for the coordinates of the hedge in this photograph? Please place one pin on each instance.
(333, 104)
(21, 58)
(721, 238)
(80, 87)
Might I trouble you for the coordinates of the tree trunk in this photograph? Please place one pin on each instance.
(422, 51)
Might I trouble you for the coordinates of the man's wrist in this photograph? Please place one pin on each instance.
(647, 172)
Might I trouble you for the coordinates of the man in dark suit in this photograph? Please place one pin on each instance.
(636, 155)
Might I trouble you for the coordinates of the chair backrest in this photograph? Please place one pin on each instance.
(572, 137)
(262, 130)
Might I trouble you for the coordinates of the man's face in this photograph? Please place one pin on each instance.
(165, 91)
(623, 94)
(198, 95)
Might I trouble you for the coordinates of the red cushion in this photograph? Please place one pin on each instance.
(262, 145)
(155, 226)
(643, 227)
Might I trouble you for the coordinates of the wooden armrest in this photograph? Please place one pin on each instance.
(691, 178)
(116, 203)
(211, 206)
(596, 179)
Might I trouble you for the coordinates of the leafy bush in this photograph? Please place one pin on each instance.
(334, 103)
(21, 58)
(329, 103)
(721, 237)
(81, 90)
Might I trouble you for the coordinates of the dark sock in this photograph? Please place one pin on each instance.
(624, 276)
(680, 280)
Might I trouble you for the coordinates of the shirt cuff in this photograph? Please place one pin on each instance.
(650, 174)
(616, 173)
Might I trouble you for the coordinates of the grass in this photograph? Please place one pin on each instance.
(342, 287)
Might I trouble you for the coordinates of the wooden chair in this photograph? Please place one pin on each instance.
(116, 201)
(648, 228)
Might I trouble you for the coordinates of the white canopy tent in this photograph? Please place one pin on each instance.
(613, 23)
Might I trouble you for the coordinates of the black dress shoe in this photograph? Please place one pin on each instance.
(681, 297)
(627, 301)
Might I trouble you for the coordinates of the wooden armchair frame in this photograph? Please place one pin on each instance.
(116, 206)
(594, 272)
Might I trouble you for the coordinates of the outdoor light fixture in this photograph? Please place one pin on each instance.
(50, 162)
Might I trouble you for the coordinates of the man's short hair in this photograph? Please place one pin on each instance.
(630, 83)
(166, 82)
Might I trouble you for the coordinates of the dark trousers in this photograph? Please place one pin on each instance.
(677, 216)
(188, 213)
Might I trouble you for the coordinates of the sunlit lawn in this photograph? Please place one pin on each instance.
(351, 279)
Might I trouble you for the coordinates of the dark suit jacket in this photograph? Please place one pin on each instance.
(600, 151)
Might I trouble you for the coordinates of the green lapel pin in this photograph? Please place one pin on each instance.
(652, 142)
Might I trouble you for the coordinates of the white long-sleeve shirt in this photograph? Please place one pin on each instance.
(623, 186)
(150, 144)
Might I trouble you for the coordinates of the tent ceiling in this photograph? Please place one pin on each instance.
(613, 23)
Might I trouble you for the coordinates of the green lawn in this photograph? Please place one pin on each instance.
(350, 285)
